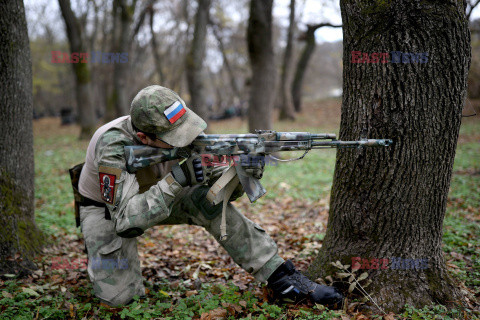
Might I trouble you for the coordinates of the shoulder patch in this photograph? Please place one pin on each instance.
(108, 176)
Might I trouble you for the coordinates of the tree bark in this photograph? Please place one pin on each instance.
(391, 202)
(194, 61)
(86, 111)
(286, 104)
(18, 234)
(262, 61)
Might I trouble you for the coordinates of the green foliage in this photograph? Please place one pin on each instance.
(436, 312)
(308, 179)
(53, 191)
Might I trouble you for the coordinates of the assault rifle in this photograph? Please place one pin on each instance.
(234, 146)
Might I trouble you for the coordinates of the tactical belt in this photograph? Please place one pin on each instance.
(86, 202)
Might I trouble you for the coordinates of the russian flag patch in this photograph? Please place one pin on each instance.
(174, 112)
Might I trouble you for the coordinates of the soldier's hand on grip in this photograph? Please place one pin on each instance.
(189, 172)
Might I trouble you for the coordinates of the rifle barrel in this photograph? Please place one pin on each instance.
(339, 143)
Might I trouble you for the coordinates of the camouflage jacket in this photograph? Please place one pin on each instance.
(135, 201)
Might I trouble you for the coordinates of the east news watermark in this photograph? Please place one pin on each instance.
(389, 57)
(394, 263)
(96, 263)
(89, 57)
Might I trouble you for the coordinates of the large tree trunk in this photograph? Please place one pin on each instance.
(286, 104)
(262, 61)
(391, 202)
(85, 108)
(18, 233)
(194, 61)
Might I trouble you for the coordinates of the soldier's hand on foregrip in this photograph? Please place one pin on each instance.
(253, 164)
(189, 172)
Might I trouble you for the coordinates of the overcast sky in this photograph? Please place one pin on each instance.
(311, 11)
(314, 12)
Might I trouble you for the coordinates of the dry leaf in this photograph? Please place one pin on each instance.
(363, 276)
(342, 275)
(390, 316)
(191, 293)
(218, 313)
(352, 287)
(31, 292)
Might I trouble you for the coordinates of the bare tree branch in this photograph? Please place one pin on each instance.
(470, 6)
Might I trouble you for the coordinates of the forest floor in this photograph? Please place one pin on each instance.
(187, 274)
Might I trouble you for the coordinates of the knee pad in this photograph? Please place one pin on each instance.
(200, 201)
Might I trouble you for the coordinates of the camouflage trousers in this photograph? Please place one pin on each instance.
(114, 266)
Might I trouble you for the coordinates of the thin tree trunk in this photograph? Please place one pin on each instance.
(226, 62)
(297, 85)
(156, 55)
(18, 233)
(110, 111)
(260, 51)
(78, 44)
(122, 44)
(390, 203)
(121, 70)
(286, 104)
(194, 61)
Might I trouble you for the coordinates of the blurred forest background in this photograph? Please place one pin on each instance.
(221, 57)
(159, 37)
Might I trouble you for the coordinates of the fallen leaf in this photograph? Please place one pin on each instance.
(191, 293)
(31, 292)
(218, 313)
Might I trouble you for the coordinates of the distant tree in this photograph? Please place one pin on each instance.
(286, 103)
(78, 44)
(194, 60)
(216, 28)
(309, 37)
(262, 62)
(155, 49)
(18, 234)
(124, 32)
(391, 202)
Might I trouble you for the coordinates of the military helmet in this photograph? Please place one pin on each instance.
(160, 111)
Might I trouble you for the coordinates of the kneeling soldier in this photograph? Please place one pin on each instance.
(117, 206)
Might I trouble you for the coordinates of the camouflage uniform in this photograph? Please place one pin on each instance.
(151, 197)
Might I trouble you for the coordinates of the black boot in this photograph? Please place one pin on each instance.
(288, 283)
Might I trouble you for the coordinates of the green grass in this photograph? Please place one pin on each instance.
(163, 302)
(53, 191)
(307, 179)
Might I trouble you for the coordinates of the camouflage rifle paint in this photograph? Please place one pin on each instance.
(263, 143)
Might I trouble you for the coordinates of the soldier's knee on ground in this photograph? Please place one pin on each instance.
(198, 196)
